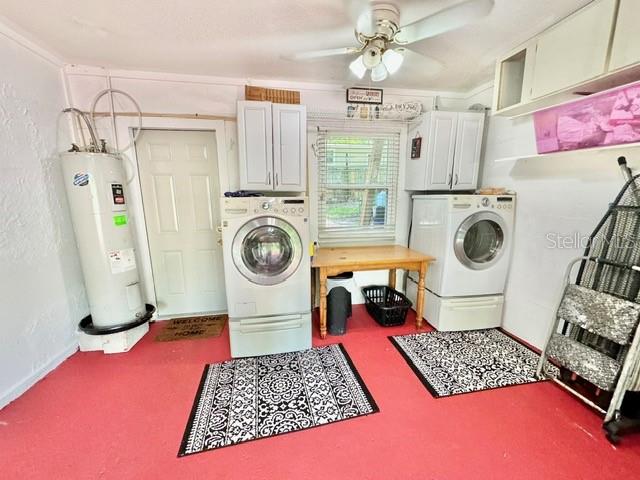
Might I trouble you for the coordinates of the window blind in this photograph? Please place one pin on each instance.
(357, 187)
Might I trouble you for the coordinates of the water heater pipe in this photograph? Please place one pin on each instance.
(121, 92)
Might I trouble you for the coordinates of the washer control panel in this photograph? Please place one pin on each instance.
(252, 206)
(288, 207)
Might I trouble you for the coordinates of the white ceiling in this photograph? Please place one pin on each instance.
(248, 38)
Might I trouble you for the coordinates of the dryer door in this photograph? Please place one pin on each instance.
(480, 240)
(267, 250)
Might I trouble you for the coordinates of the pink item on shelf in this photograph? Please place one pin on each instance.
(607, 118)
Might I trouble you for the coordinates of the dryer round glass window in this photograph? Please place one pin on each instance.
(480, 240)
(267, 250)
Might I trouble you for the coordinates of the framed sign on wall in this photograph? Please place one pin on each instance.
(364, 95)
(416, 146)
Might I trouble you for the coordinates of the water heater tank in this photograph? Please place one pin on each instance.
(95, 185)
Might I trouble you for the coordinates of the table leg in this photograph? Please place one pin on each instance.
(392, 278)
(323, 303)
(420, 299)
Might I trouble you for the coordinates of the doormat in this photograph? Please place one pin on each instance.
(451, 363)
(252, 398)
(192, 327)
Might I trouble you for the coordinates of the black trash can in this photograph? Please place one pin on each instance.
(343, 279)
(338, 310)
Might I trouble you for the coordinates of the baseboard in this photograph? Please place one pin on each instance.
(25, 384)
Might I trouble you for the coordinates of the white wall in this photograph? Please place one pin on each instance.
(42, 288)
(564, 194)
(189, 94)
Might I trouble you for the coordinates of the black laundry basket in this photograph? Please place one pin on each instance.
(387, 306)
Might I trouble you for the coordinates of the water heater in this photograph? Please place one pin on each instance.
(95, 185)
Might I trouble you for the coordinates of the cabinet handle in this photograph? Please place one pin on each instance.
(449, 179)
(276, 179)
(268, 178)
(456, 180)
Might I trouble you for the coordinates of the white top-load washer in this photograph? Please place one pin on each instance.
(471, 238)
(268, 274)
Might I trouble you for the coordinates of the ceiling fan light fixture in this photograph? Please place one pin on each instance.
(392, 60)
(372, 56)
(357, 67)
(379, 73)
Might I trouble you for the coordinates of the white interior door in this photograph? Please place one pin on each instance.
(179, 180)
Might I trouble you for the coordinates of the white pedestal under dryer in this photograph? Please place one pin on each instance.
(471, 238)
(267, 274)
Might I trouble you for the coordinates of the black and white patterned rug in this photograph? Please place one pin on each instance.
(451, 363)
(251, 398)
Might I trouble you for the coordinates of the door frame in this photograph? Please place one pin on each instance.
(125, 128)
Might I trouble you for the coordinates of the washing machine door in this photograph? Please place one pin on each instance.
(480, 240)
(267, 250)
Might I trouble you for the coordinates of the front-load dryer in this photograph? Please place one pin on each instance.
(267, 274)
(471, 237)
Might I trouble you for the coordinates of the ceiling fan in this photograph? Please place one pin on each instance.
(382, 40)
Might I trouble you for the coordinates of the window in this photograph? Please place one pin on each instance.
(357, 187)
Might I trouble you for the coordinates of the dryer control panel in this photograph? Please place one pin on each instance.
(486, 202)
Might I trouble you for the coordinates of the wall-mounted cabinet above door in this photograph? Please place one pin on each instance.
(272, 146)
(450, 152)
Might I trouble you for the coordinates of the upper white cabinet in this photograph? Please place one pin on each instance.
(625, 50)
(255, 145)
(272, 146)
(450, 152)
(594, 49)
(466, 163)
(574, 50)
(513, 77)
(289, 147)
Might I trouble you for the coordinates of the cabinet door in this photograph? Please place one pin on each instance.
(574, 50)
(255, 145)
(289, 147)
(416, 168)
(466, 162)
(440, 150)
(625, 50)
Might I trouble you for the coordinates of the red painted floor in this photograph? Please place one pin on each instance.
(123, 416)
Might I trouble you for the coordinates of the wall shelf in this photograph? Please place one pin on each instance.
(566, 153)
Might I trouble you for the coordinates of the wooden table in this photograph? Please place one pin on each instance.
(332, 261)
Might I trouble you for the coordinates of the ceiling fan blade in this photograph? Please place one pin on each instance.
(329, 52)
(418, 63)
(361, 15)
(445, 20)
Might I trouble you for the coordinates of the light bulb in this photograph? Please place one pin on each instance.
(357, 67)
(379, 73)
(392, 60)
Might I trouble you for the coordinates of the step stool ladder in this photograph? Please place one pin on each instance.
(594, 333)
